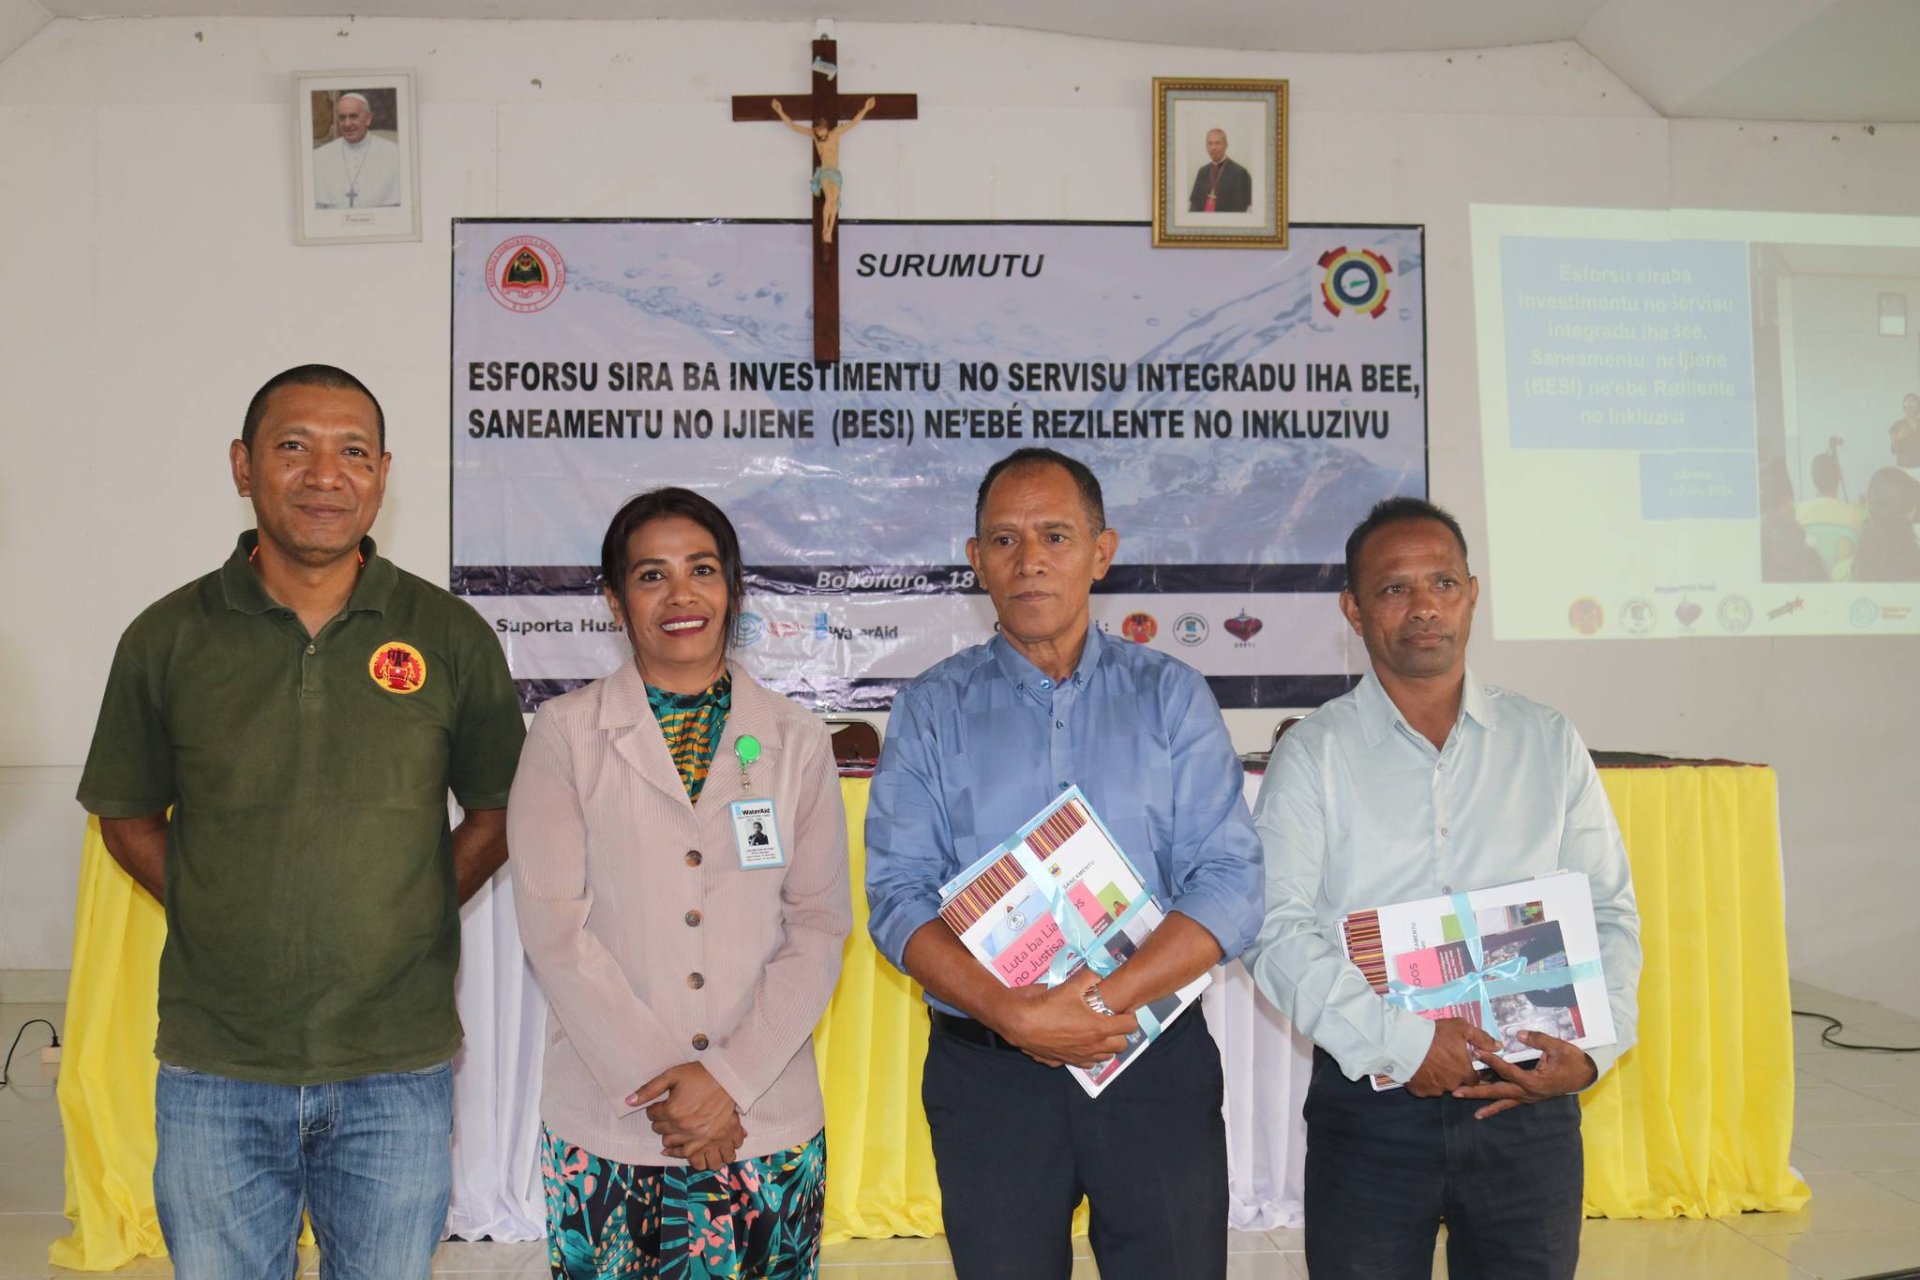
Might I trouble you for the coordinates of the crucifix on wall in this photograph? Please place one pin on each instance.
(829, 115)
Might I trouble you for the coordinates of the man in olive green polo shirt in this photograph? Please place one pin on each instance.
(272, 762)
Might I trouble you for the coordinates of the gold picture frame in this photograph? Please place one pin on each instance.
(1232, 197)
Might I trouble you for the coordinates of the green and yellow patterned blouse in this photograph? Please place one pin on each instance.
(692, 724)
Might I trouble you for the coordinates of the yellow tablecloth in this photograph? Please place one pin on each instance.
(871, 1047)
(1695, 1122)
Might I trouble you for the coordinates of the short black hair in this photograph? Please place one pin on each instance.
(1826, 473)
(659, 504)
(308, 375)
(1891, 496)
(1397, 511)
(1034, 455)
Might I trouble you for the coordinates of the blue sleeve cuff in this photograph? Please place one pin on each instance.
(1604, 1056)
(1232, 923)
(894, 925)
(1409, 1039)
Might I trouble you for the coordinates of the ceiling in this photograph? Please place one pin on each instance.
(1815, 60)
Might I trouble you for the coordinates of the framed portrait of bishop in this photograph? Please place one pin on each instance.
(1219, 164)
(356, 157)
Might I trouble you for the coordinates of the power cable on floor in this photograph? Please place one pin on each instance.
(1834, 1024)
(6, 1067)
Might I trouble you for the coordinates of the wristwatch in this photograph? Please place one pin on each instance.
(1094, 1002)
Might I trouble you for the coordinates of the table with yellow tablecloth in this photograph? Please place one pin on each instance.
(1696, 1121)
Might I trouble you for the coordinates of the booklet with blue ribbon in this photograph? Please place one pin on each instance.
(1058, 896)
(1515, 957)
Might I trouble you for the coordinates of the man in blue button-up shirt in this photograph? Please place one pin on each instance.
(1420, 782)
(976, 747)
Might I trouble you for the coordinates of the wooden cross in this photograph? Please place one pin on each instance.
(825, 106)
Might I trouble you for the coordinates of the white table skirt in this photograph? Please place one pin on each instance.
(496, 1115)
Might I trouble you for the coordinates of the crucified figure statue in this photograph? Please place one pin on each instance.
(826, 175)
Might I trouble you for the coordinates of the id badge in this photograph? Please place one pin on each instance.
(756, 836)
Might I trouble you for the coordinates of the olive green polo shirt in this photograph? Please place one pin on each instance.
(312, 924)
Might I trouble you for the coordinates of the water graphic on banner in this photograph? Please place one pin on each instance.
(1241, 412)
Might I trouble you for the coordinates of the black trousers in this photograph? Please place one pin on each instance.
(1383, 1170)
(1017, 1144)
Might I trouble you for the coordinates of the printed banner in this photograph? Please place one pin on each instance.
(1242, 408)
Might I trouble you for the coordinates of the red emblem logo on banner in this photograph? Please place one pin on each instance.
(1139, 627)
(525, 274)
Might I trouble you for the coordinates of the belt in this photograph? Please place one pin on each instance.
(971, 1031)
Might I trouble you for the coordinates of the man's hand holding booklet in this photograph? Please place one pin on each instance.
(1057, 904)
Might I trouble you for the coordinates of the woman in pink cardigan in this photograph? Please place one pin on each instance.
(684, 964)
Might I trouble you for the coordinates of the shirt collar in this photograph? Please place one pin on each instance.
(1034, 682)
(245, 593)
(623, 704)
(1378, 715)
(1475, 702)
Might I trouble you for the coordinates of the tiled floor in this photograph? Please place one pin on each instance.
(1857, 1130)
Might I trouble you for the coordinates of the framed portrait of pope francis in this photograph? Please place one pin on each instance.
(356, 157)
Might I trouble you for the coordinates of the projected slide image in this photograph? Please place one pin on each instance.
(1698, 423)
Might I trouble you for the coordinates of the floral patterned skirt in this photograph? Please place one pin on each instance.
(755, 1218)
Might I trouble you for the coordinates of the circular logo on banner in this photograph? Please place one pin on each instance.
(1190, 629)
(1864, 613)
(398, 667)
(1355, 280)
(748, 628)
(1735, 614)
(1637, 616)
(1586, 615)
(1139, 627)
(525, 274)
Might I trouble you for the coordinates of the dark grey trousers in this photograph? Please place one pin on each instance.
(1017, 1144)
(1384, 1169)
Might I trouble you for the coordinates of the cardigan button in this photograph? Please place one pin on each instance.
(693, 919)
(696, 980)
(693, 857)
(700, 1042)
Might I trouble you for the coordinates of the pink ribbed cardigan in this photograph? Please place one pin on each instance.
(647, 935)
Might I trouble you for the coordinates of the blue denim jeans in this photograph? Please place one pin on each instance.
(1384, 1169)
(368, 1159)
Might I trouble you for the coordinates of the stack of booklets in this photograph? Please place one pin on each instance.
(1055, 897)
(1512, 958)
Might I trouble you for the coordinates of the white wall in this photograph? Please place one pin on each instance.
(152, 283)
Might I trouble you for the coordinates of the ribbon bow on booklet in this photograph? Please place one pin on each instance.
(1512, 958)
(1059, 897)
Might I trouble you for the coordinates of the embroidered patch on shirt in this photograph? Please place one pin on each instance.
(398, 667)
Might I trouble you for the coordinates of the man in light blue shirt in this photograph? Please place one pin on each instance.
(976, 747)
(1423, 781)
